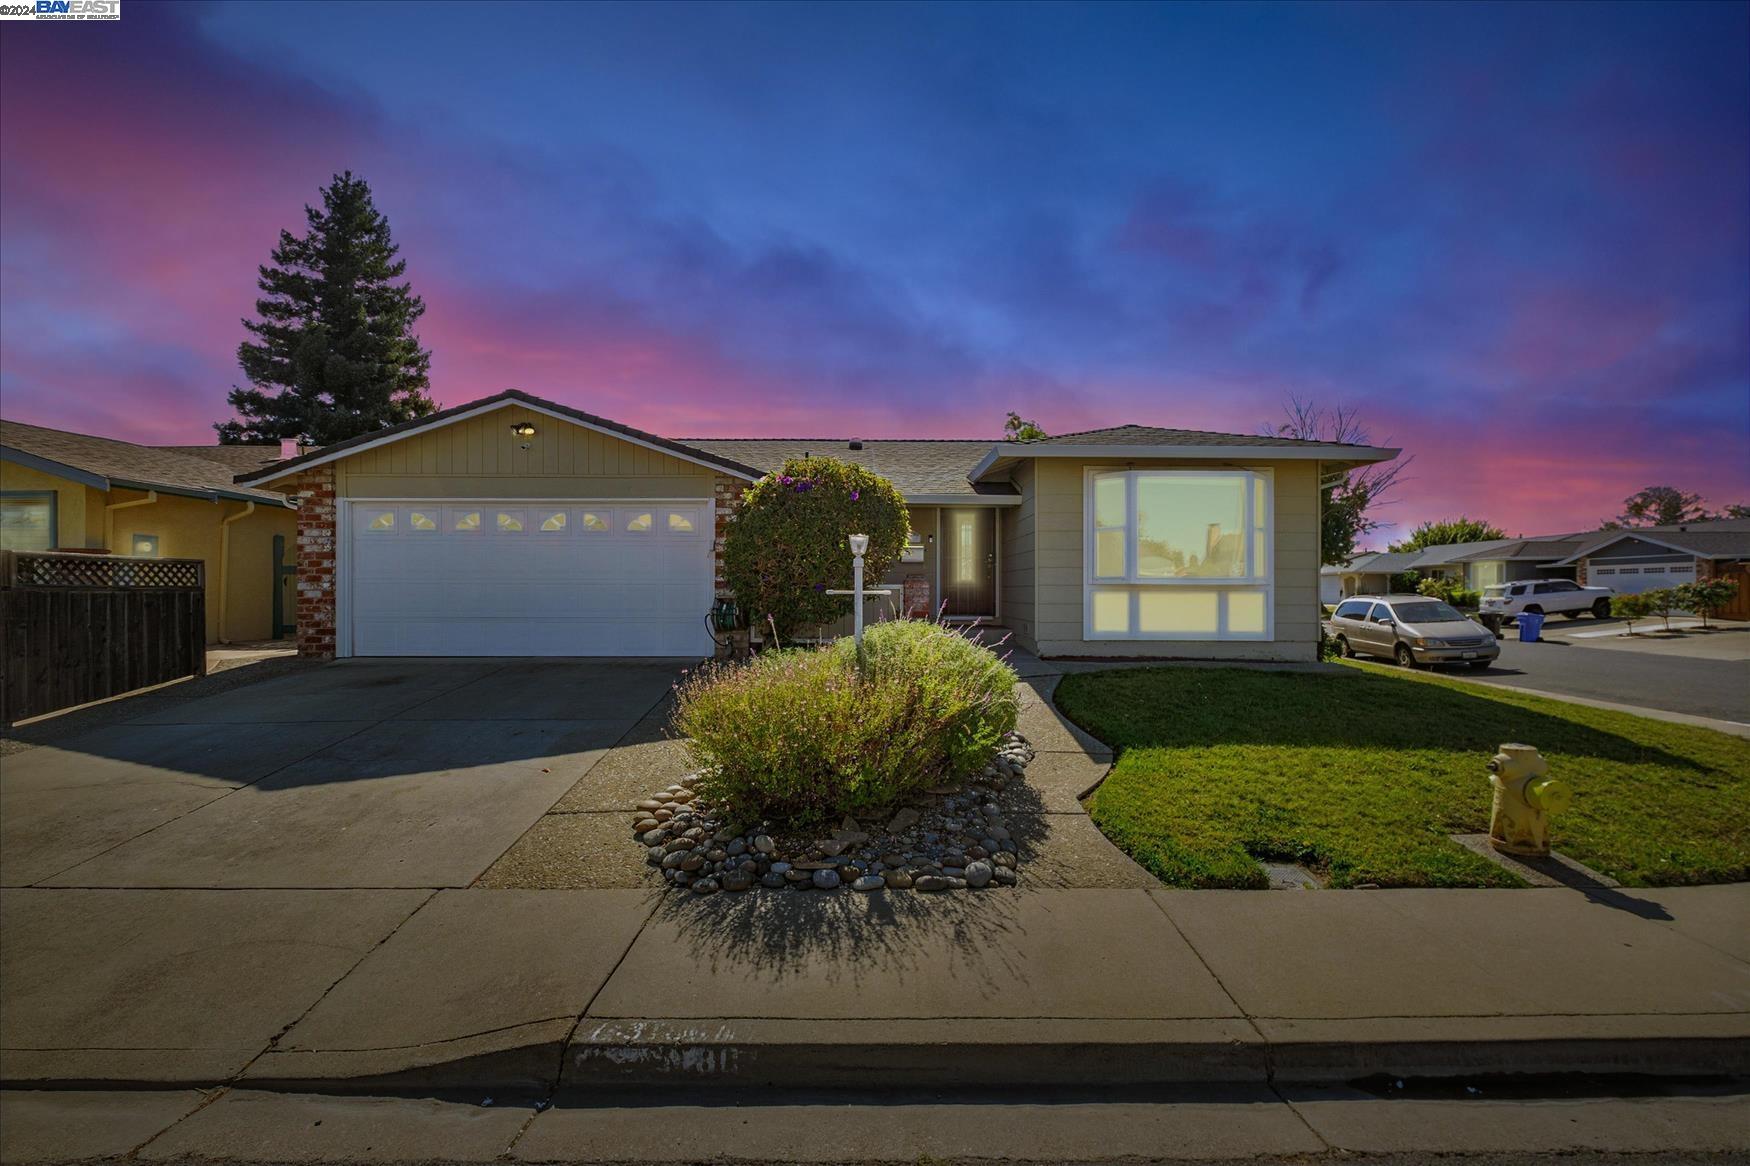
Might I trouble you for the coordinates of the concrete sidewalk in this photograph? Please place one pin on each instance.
(1335, 1125)
(529, 991)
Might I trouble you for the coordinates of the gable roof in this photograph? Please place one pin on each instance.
(1723, 538)
(924, 471)
(104, 463)
(462, 412)
(1536, 550)
(241, 458)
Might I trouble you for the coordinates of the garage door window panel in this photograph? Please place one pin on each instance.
(553, 522)
(1178, 554)
(593, 522)
(636, 521)
(465, 521)
(510, 521)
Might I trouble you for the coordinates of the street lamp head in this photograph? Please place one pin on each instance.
(859, 544)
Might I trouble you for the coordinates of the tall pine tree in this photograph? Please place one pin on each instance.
(333, 354)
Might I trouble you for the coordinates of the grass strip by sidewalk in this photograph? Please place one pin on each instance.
(1363, 774)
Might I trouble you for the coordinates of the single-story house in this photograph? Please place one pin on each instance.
(514, 525)
(1368, 573)
(62, 491)
(1512, 560)
(1651, 557)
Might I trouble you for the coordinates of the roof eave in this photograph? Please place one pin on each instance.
(1353, 455)
(1587, 552)
(486, 405)
(51, 466)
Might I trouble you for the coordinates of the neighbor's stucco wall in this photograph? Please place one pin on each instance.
(1017, 540)
(78, 507)
(482, 458)
(1058, 571)
(189, 528)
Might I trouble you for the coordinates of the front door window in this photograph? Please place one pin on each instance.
(969, 561)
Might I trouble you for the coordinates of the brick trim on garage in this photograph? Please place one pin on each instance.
(317, 615)
(725, 497)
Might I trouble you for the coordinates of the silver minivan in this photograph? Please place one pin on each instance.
(1413, 630)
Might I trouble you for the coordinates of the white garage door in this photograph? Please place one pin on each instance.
(1634, 578)
(529, 579)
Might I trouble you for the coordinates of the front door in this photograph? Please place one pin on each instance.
(969, 562)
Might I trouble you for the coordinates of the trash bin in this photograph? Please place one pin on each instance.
(1492, 621)
(1530, 626)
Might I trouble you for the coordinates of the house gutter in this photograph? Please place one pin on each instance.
(109, 510)
(225, 563)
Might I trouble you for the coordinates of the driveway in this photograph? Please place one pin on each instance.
(358, 774)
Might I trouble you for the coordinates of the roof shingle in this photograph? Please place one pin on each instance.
(137, 466)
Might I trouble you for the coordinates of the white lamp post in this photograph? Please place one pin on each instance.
(859, 547)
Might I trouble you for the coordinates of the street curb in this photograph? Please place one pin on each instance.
(735, 1055)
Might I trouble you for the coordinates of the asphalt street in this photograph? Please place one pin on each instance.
(1718, 688)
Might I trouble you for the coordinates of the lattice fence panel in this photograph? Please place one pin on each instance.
(105, 571)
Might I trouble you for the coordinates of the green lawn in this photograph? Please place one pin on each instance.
(1363, 773)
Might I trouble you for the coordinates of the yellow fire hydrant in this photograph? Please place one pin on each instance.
(1525, 797)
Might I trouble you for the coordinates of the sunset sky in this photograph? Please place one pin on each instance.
(1515, 237)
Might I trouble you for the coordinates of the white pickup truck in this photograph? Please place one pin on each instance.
(1547, 597)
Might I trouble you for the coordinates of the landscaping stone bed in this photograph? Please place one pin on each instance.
(951, 837)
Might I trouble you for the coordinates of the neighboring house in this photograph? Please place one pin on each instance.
(1368, 573)
(1651, 557)
(62, 491)
(516, 526)
(1510, 560)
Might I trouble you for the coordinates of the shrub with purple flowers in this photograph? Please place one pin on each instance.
(785, 545)
(803, 737)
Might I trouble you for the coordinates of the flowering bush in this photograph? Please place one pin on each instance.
(785, 546)
(804, 736)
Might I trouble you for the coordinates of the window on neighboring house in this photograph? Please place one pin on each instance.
(1178, 555)
(144, 546)
(27, 521)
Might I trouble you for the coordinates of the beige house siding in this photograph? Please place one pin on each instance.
(1058, 572)
(482, 458)
(1016, 539)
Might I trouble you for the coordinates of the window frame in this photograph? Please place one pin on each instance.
(1261, 579)
(53, 498)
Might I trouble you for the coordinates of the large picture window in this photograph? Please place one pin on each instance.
(1178, 555)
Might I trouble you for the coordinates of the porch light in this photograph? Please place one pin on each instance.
(859, 545)
(523, 429)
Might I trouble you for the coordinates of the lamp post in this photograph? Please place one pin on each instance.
(859, 547)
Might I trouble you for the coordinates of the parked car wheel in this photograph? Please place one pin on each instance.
(1601, 609)
(1343, 648)
(1479, 665)
(1405, 657)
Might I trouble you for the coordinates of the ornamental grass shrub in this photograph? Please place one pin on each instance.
(805, 736)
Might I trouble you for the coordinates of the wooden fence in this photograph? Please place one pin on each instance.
(77, 628)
